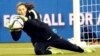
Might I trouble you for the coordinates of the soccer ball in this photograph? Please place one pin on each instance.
(16, 23)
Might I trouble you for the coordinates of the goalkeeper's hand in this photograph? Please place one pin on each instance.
(9, 26)
(23, 18)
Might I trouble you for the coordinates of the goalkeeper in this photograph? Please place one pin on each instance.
(40, 33)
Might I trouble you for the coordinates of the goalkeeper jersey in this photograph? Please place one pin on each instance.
(37, 30)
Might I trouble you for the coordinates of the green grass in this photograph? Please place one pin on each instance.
(26, 49)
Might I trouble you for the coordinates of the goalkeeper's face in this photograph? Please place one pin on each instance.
(22, 10)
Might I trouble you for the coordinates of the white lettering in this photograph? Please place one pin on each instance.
(6, 20)
(71, 19)
(47, 19)
(50, 19)
(54, 23)
(82, 19)
(88, 19)
(98, 21)
(60, 20)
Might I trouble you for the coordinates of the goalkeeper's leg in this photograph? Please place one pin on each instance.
(58, 42)
(64, 44)
(41, 48)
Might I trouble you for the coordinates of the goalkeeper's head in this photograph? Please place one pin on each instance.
(22, 8)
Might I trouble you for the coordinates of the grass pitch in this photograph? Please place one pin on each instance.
(26, 49)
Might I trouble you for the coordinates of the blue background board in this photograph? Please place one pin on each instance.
(64, 7)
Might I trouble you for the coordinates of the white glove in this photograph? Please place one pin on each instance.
(23, 18)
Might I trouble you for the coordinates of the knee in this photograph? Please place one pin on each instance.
(38, 52)
(42, 52)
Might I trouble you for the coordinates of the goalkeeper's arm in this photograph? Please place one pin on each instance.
(16, 35)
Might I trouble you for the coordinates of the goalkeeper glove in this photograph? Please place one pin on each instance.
(23, 18)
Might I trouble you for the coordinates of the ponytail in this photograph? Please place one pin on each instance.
(29, 6)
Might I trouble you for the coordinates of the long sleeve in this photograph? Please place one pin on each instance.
(16, 35)
(34, 14)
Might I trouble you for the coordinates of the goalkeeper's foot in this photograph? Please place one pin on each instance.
(55, 51)
(89, 50)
